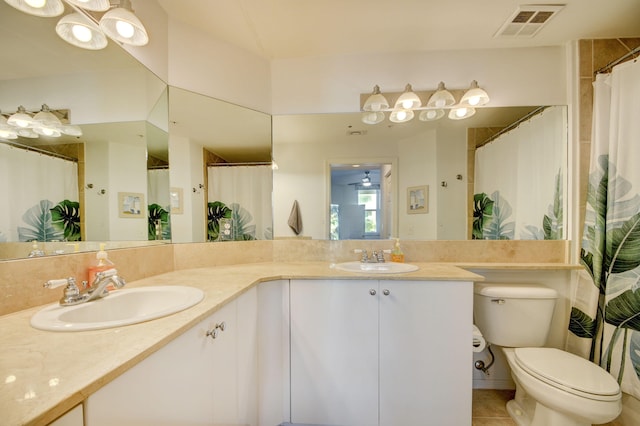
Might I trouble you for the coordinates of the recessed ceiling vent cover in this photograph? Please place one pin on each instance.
(528, 19)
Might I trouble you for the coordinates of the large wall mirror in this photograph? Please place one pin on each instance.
(426, 174)
(128, 185)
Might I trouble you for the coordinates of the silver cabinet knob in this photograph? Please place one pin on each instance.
(386, 292)
(372, 292)
(213, 333)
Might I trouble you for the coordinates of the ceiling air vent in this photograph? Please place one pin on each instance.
(528, 19)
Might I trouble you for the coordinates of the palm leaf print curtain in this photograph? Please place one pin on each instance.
(519, 180)
(241, 194)
(605, 316)
(42, 194)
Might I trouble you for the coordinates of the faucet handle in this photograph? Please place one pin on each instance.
(71, 292)
(57, 283)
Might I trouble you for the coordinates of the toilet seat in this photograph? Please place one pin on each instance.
(568, 372)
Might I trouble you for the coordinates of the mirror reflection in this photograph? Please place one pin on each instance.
(65, 192)
(437, 159)
(221, 163)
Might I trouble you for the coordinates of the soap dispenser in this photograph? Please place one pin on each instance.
(396, 254)
(102, 264)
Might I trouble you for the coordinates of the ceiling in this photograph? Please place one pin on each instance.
(279, 29)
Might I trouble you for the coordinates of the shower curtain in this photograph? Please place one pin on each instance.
(519, 181)
(243, 194)
(159, 210)
(43, 197)
(605, 316)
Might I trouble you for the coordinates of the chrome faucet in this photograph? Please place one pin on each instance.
(376, 256)
(98, 289)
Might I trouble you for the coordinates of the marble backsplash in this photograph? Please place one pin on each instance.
(21, 280)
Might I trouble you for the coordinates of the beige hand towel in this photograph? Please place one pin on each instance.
(295, 219)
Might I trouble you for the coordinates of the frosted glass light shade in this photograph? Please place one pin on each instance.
(42, 8)
(78, 30)
(461, 113)
(408, 99)
(71, 130)
(20, 119)
(6, 132)
(475, 96)
(442, 98)
(122, 25)
(45, 118)
(431, 114)
(401, 115)
(376, 101)
(52, 132)
(94, 5)
(372, 117)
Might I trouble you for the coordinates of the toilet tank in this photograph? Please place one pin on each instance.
(514, 315)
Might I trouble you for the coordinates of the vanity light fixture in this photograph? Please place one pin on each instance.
(442, 98)
(376, 101)
(475, 96)
(408, 99)
(460, 113)
(431, 114)
(122, 25)
(408, 102)
(401, 115)
(42, 8)
(89, 26)
(79, 30)
(44, 123)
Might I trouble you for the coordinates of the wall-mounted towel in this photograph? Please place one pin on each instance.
(295, 218)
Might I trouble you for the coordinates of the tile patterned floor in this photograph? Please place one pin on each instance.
(489, 408)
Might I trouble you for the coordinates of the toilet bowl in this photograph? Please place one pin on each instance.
(553, 387)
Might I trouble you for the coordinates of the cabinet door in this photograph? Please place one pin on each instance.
(334, 352)
(273, 353)
(188, 381)
(425, 353)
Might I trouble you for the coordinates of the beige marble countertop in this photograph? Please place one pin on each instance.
(43, 374)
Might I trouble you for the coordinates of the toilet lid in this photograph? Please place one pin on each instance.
(567, 371)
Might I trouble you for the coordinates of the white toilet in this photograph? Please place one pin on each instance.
(553, 387)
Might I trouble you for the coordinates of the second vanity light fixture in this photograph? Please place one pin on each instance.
(409, 102)
(46, 122)
(91, 23)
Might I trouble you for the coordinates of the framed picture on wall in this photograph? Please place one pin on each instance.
(418, 199)
(175, 200)
(131, 205)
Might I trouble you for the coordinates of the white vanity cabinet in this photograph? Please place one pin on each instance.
(195, 379)
(369, 353)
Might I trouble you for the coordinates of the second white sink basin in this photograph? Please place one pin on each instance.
(377, 268)
(120, 307)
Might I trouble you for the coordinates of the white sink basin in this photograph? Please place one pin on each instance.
(376, 268)
(120, 307)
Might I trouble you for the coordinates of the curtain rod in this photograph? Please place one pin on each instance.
(513, 125)
(623, 58)
(259, 163)
(38, 150)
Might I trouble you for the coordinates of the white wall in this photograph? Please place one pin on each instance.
(451, 160)
(186, 172)
(525, 76)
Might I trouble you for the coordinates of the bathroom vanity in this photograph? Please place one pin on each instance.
(294, 343)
